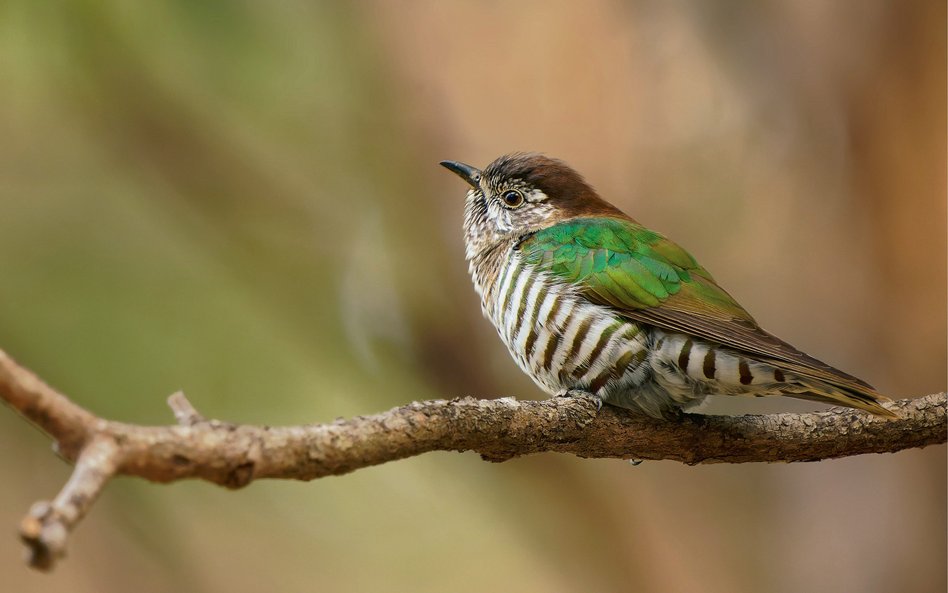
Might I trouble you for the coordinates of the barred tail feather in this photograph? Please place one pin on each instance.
(864, 399)
(685, 366)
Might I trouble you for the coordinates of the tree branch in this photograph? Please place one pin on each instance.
(233, 455)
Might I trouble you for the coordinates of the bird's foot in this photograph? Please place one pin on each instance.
(583, 394)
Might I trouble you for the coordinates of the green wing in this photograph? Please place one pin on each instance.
(648, 278)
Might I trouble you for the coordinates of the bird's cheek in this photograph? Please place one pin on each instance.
(504, 224)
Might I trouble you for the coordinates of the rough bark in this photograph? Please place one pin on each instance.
(233, 455)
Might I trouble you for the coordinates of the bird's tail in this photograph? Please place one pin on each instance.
(863, 398)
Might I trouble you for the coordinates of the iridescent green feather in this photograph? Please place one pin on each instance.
(628, 266)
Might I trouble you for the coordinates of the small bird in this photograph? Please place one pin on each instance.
(588, 300)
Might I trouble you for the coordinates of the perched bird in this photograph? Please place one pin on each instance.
(589, 300)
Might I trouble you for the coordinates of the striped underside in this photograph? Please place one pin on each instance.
(565, 342)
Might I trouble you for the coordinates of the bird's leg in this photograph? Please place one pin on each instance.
(598, 400)
(583, 394)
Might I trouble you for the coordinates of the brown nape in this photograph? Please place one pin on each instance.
(564, 186)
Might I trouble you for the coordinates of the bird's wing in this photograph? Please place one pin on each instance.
(648, 278)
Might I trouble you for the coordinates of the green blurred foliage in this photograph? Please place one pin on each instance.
(242, 200)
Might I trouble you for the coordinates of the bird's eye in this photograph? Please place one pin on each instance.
(512, 198)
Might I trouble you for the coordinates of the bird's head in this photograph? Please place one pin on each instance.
(519, 194)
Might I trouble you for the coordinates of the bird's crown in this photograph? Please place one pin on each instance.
(537, 178)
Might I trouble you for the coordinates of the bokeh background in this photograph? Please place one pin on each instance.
(242, 200)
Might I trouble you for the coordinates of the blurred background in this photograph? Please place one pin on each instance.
(242, 200)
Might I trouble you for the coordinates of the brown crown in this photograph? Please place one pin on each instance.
(565, 188)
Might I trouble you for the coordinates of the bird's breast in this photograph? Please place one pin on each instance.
(556, 335)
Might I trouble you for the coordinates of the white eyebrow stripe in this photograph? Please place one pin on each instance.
(536, 195)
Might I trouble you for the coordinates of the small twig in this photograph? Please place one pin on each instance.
(234, 455)
(46, 527)
(184, 412)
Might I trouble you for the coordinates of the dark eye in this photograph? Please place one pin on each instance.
(512, 198)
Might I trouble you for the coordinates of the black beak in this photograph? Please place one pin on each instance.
(466, 172)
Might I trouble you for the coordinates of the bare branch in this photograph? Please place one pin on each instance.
(46, 526)
(49, 410)
(234, 455)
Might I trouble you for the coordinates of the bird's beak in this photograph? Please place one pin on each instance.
(466, 172)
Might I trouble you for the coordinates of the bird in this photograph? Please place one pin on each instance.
(590, 302)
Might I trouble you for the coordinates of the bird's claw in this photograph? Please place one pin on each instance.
(581, 393)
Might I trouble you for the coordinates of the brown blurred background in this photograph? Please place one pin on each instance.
(242, 200)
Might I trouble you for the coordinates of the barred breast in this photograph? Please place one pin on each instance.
(561, 339)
